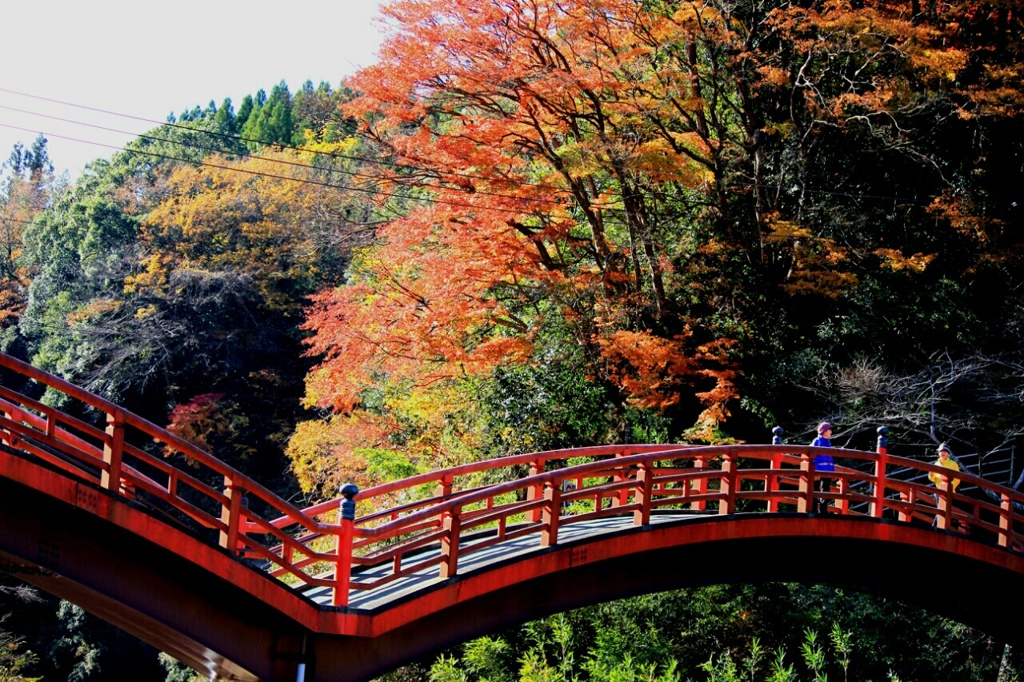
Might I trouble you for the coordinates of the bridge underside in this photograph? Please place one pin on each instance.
(231, 622)
(143, 585)
(883, 558)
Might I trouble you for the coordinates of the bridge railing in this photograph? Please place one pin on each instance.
(437, 521)
(666, 481)
(131, 457)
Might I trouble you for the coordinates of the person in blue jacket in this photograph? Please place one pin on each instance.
(823, 463)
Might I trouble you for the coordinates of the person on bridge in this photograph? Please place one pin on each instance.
(945, 460)
(823, 463)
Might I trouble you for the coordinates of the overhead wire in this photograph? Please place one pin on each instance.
(246, 140)
(269, 159)
(338, 155)
(274, 176)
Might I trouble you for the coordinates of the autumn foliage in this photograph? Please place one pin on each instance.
(645, 177)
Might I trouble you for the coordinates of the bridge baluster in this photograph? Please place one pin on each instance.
(230, 514)
(729, 484)
(549, 514)
(1005, 520)
(535, 491)
(343, 551)
(644, 494)
(805, 501)
(944, 517)
(881, 467)
(772, 482)
(113, 451)
(444, 487)
(701, 485)
(451, 523)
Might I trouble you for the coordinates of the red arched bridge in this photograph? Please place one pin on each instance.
(165, 541)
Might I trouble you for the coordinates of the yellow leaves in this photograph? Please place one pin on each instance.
(153, 276)
(786, 231)
(311, 147)
(323, 455)
(823, 283)
(944, 64)
(146, 311)
(435, 426)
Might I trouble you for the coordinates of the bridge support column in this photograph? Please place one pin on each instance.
(771, 484)
(230, 514)
(805, 488)
(944, 502)
(701, 485)
(1005, 520)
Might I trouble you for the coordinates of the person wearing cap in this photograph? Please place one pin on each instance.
(945, 460)
(823, 463)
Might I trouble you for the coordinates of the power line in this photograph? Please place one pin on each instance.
(275, 176)
(248, 155)
(239, 138)
(338, 155)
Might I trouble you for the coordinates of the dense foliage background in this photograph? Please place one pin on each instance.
(545, 224)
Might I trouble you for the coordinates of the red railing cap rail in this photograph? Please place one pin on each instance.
(159, 434)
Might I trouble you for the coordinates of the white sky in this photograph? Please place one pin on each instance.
(147, 59)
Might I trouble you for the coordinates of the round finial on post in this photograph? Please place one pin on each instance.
(883, 438)
(348, 505)
(777, 435)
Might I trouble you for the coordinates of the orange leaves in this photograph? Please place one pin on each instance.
(656, 372)
(420, 307)
(197, 420)
(896, 261)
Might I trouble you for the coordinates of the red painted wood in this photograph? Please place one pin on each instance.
(717, 496)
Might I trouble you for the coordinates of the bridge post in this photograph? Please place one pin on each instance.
(881, 467)
(944, 502)
(644, 493)
(343, 551)
(1005, 520)
(549, 513)
(230, 514)
(729, 484)
(622, 499)
(701, 485)
(771, 484)
(113, 451)
(805, 488)
(451, 524)
(444, 487)
(535, 491)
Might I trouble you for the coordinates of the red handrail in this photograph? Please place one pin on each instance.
(437, 519)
